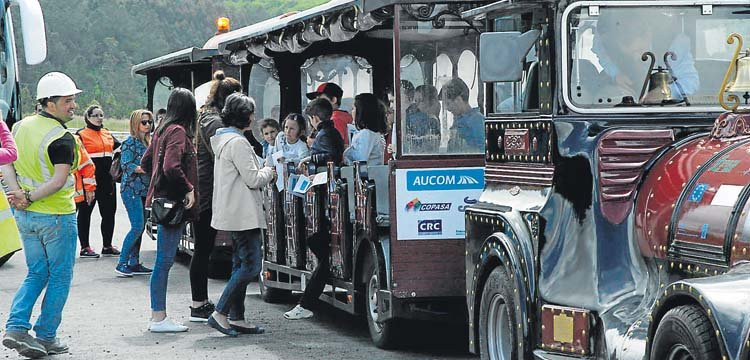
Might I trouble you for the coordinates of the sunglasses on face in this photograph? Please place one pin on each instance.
(146, 122)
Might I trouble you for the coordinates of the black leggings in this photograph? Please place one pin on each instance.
(319, 244)
(205, 236)
(107, 207)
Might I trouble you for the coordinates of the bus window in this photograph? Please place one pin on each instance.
(264, 89)
(352, 73)
(441, 96)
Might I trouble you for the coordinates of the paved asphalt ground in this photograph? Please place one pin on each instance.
(106, 318)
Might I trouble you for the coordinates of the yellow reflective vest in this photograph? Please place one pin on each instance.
(10, 240)
(33, 136)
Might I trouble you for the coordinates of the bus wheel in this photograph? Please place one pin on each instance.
(383, 333)
(269, 294)
(685, 333)
(497, 318)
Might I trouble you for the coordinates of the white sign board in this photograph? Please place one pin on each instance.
(430, 203)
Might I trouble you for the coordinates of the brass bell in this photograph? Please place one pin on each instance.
(741, 82)
(659, 92)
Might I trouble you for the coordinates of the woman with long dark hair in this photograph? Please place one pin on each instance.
(208, 122)
(170, 159)
(368, 143)
(238, 209)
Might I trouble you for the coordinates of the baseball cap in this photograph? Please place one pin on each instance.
(330, 89)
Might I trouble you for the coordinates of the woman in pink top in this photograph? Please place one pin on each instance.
(8, 151)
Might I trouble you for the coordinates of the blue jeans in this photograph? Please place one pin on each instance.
(49, 244)
(168, 237)
(246, 262)
(131, 246)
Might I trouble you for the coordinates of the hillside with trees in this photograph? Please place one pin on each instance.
(97, 42)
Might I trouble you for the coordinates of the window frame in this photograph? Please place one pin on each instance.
(567, 66)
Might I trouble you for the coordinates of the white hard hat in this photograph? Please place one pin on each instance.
(55, 84)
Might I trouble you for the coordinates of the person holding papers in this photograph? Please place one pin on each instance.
(290, 145)
(328, 146)
(237, 206)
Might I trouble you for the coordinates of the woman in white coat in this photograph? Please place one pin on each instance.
(238, 208)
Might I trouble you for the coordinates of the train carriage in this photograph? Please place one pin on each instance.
(612, 220)
(397, 230)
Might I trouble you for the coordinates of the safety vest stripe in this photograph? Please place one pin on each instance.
(100, 155)
(89, 181)
(46, 176)
(29, 182)
(83, 165)
(5, 214)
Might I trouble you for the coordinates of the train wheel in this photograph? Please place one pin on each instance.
(269, 294)
(685, 333)
(497, 318)
(382, 333)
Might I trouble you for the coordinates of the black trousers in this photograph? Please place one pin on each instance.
(320, 246)
(107, 207)
(205, 237)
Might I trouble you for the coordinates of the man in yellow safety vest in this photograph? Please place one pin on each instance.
(42, 187)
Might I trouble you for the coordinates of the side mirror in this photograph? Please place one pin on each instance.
(32, 28)
(501, 54)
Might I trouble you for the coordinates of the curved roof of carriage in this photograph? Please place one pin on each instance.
(223, 41)
(218, 43)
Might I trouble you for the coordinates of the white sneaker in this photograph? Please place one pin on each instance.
(166, 326)
(298, 313)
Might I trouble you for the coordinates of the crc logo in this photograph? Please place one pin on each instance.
(467, 201)
(430, 227)
(417, 205)
(445, 179)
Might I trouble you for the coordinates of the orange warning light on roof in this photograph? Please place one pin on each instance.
(222, 24)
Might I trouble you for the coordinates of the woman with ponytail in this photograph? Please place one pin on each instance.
(100, 145)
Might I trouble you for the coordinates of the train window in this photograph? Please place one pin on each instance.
(607, 64)
(441, 96)
(162, 89)
(518, 96)
(352, 73)
(264, 89)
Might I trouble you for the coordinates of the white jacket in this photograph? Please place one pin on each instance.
(238, 178)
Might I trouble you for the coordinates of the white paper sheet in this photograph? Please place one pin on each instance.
(302, 185)
(280, 176)
(320, 179)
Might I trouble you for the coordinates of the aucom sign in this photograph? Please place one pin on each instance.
(431, 202)
(445, 179)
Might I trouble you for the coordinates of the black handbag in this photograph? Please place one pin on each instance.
(115, 170)
(165, 211)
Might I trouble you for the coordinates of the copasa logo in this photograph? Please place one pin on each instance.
(446, 179)
(416, 205)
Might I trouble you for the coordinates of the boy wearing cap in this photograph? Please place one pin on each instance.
(340, 118)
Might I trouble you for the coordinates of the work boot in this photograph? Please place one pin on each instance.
(54, 347)
(24, 344)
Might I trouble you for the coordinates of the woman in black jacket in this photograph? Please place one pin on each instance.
(208, 122)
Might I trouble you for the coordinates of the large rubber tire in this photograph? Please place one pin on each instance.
(384, 334)
(498, 336)
(272, 295)
(685, 333)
